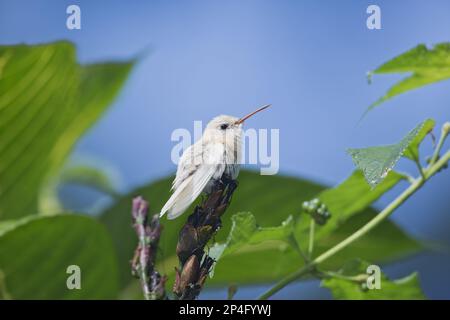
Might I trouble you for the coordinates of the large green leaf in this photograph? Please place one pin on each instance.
(3, 61)
(377, 162)
(272, 260)
(75, 174)
(406, 288)
(347, 199)
(425, 65)
(271, 199)
(35, 253)
(47, 101)
(89, 176)
(4, 294)
(245, 231)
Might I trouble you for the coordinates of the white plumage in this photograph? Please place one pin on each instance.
(203, 163)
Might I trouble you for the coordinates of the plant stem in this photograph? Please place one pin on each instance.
(357, 278)
(419, 166)
(417, 183)
(438, 148)
(295, 245)
(311, 238)
(142, 271)
(4, 294)
(143, 262)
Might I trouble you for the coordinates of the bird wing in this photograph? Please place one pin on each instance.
(195, 170)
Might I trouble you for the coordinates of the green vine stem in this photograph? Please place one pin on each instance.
(444, 133)
(297, 248)
(4, 294)
(358, 278)
(386, 212)
(311, 238)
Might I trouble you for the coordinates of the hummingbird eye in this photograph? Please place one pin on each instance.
(224, 126)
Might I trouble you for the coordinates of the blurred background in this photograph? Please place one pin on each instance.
(309, 59)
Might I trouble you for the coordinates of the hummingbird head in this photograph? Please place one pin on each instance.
(228, 127)
(223, 123)
(223, 128)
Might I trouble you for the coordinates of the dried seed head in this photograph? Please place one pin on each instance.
(176, 285)
(187, 242)
(190, 272)
(204, 233)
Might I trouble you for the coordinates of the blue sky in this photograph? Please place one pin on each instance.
(309, 59)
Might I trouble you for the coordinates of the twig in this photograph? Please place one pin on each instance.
(143, 263)
(201, 226)
(330, 274)
(418, 164)
(311, 238)
(444, 132)
(295, 245)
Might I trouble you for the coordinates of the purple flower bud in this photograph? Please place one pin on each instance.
(140, 208)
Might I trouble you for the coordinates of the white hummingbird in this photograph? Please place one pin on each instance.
(216, 153)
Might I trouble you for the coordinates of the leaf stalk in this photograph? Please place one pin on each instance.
(311, 238)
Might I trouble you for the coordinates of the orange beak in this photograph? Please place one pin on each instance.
(241, 120)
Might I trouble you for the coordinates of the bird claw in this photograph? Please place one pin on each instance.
(230, 185)
(219, 184)
(227, 181)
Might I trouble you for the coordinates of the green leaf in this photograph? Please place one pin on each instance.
(354, 195)
(425, 65)
(47, 101)
(3, 61)
(4, 294)
(80, 174)
(36, 251)
(245, 231)
(272, 260)
(8, 225)
(385, 243)
(407, 288)
(347, 199)
(89, 176)
(270, 199)
(377, 162)
(412, 152)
